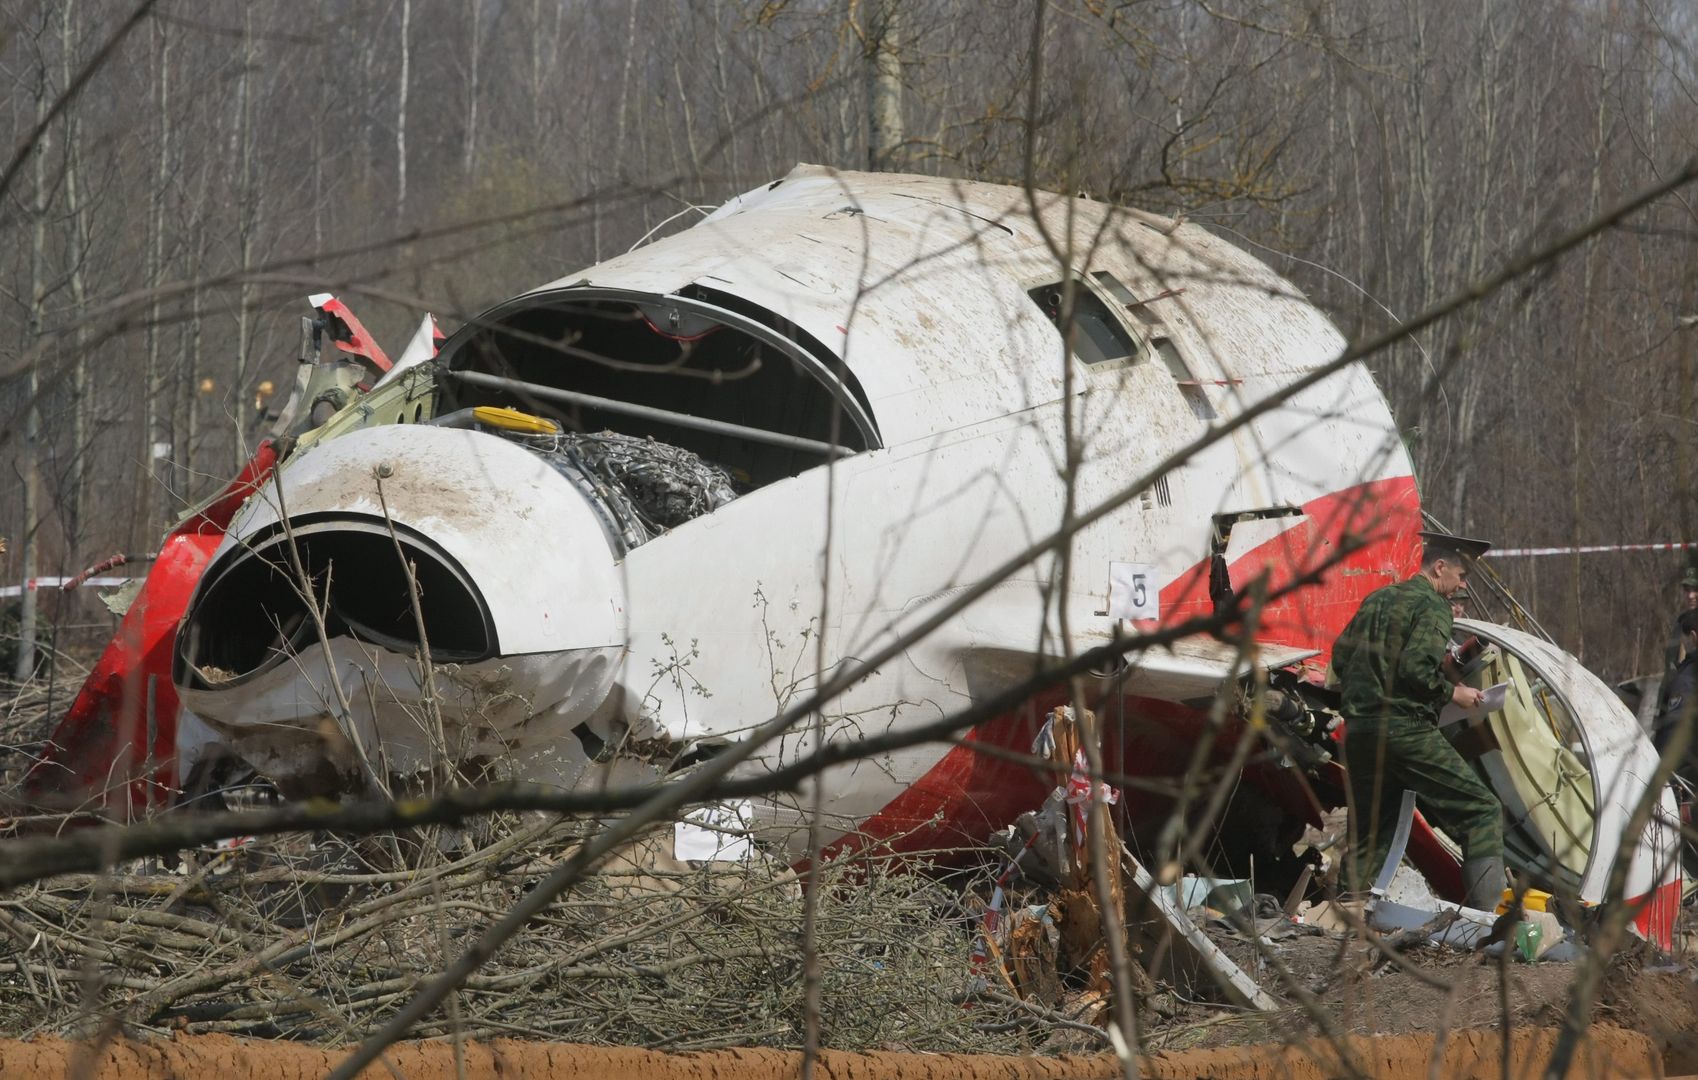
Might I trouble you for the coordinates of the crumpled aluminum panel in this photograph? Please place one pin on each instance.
(664, 485)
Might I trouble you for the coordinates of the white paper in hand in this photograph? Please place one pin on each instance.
(1493, 701)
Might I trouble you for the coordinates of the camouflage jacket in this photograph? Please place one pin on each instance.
(1675, 692)
(1672, 651)
(1388, 659)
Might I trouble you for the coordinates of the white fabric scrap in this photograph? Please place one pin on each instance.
(714, 833)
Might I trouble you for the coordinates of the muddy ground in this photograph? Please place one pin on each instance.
(1333, 983)
(1608, 1052)
(1438, 990)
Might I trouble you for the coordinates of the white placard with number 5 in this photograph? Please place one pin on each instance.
(1133, 591)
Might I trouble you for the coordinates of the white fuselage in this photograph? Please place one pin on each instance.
(923, 289)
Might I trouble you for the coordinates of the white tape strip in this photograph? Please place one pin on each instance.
(36, 583)
(1498, 553)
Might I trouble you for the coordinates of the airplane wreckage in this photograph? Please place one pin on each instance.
(634, 501)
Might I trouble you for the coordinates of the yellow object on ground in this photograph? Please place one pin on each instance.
(1534, 900)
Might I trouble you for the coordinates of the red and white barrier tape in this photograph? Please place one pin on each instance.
(1591, 549)
(36, 584)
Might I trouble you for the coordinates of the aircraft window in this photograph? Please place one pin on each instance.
(1144, 315)
(1112, 285)
(1189, 388)
(723, 384)
(1176, 366)
(1099, 337)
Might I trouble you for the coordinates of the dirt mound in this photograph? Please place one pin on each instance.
(1658, 1001)
(1610, 1052)
(1475, 1053)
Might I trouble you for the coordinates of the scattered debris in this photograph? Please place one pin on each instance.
(315, 940)
(714, 833)
(1057, 833)
(1078, 950)
(666, 485)
(1522, 921)
(1224, 895)
(1535, 934)
(1333, 916)
(1192, 950)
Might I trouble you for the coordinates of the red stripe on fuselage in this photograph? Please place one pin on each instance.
(967, 793)
(1656, 914)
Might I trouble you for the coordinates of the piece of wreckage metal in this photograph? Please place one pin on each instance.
(125, 746)
(937, 391)
(1536, 935)
(1571, 765)
(1057, 840)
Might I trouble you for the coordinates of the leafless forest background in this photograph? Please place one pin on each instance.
(159, 231)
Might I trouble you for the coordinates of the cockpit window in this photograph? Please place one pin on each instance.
(749, 395)
(1098, 336)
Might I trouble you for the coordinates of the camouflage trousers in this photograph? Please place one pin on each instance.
(1385, 759)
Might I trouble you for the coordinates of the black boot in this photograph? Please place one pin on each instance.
(1482, 880)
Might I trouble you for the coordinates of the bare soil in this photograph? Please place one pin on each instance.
(1610, 1052)
(1433, 990)
(1658, 999)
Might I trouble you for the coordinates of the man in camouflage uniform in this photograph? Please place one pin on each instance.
(1680, 689)
(1462, 646)
(1676, 650)
(1459, 602)
(1389, 662)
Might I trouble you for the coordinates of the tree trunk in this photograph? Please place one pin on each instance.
(29, 553)
(1469, 376)
(884, 88)
(401, 114)
(244, 244)
(191, 410)
(630, 49)
(148, 498)
(76, 515)
(469, 144)
(1581, 352)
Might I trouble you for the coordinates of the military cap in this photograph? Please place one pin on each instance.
(1436, 544)
(1460, 596)
(1690, 581)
